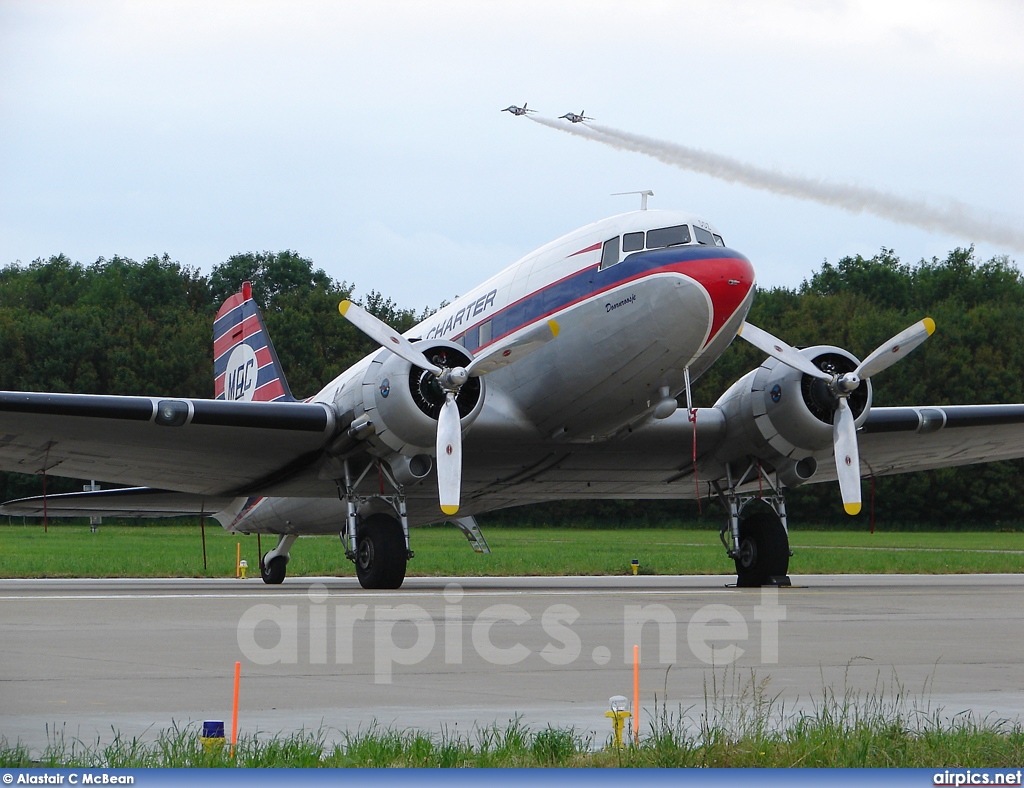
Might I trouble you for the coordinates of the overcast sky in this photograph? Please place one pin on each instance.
(368, 136)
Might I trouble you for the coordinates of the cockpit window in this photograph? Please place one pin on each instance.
(610, 253)
(668, 236)
(703, 236)
(718, 240)
(632, 242)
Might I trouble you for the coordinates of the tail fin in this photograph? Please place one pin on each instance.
(245, 364)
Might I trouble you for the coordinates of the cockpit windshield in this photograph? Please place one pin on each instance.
(703, 236)
(668, 236)
(659, 238)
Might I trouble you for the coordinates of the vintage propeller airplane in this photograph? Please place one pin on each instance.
(557, 378)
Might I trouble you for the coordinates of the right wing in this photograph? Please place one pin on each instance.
(214, 448)
(120, 502)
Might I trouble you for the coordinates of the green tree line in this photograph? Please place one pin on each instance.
(119, 326)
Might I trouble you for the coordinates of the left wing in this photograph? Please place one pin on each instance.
(902, 440)
(205, 447)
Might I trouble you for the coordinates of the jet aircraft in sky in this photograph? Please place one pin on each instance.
(558, 378)
(572, 117)
(518, 110)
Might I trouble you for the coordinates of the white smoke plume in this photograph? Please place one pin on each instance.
(951, 217)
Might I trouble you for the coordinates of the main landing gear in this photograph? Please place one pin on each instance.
(375, 540)
(755, 534)
(381, 553)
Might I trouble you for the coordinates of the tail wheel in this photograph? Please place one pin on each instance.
(274, 570)
(764, 549)
(380, 553)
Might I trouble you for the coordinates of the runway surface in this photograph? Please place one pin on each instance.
(88, 656)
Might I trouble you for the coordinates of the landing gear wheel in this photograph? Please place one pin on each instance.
(380, 553)
(764, 550)
(273, 572)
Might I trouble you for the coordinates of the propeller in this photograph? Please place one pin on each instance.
(844, 430)
(385, 336)
(449, 455)
(450, 379)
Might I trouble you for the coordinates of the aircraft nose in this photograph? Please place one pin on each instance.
(728, 280)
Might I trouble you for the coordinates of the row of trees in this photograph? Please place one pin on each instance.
(123, 327)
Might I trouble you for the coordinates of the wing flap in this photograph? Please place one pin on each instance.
(123, 502)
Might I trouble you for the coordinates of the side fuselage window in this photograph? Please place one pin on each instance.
(632, 242)
(668, 236)
(610, 253)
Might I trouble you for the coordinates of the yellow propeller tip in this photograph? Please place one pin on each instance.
(852, 508)
(553, 325)
(449, 510)
(929, 325)
(344, 305)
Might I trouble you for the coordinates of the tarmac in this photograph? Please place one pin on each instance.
(83, 659)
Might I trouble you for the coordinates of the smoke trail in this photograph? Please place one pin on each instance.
(954, 217)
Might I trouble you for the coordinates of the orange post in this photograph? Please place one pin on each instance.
(234, 712)
(238, 560)
(636, 695)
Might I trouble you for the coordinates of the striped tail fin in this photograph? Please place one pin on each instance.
(245, 364)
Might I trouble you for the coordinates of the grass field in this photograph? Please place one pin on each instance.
(160, 550)
(847, 732)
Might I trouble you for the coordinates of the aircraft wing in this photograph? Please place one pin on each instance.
(654, 461)
(205, 447)
(221, 450)
(902, 440)
(121, 502)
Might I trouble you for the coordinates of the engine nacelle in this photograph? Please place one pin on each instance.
(403, 402)
(784, 417)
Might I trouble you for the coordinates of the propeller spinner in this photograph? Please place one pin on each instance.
(451, 380)
(844, 430)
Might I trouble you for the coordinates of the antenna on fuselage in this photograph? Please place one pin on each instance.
(643, 197)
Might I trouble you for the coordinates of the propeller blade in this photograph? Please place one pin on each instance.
(776, 348)
(525, 344)
(896, 348)
(385, 335)
(844, 433)
(449, 456)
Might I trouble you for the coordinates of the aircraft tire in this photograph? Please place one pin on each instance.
(764, 549)
(380, 553)
(274, 572)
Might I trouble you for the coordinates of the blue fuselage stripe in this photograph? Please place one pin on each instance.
(587, 283)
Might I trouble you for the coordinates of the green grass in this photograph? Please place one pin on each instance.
(741, 730)
(158, 550)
